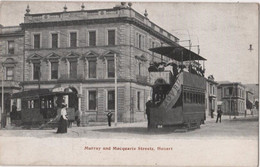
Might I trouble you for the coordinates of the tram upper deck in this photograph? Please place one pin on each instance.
(179, 97)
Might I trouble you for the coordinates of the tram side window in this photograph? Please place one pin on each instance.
(29, 104)
(188, 97)
(191, 98)
(42, 104)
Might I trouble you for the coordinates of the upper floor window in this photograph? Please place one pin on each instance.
(153, 44)
(73, 39)
(139, 41)
(92, 68)
(10, 47)
(110, 68)
(73, 69)
(139, 68)
(111, 36)
(37, 41)
(9, 73)
(36, 71)
(54, 40)
(111, 100)
(54, 70)
(92, 38)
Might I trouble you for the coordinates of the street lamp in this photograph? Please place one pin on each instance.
(115, 64)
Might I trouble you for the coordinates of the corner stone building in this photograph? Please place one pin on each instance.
(76, 50)
(11, 59)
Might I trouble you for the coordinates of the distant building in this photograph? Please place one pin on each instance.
(249, 100)
(211, 96)
(232, 96)
(254, 88)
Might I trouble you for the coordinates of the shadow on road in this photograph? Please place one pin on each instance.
(244, 119)
(139, 130)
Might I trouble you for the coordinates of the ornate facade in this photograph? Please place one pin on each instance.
(77, 50)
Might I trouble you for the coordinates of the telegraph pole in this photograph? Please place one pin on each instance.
(115, 63)
(2, 110)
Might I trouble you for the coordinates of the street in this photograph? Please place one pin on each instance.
(241, 127)
(229, 143)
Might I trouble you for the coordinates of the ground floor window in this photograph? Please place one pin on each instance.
(92, 103)
(111, 100)
(138, 100)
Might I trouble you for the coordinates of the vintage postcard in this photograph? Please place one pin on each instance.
(87, 83)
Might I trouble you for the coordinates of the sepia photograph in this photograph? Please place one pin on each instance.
(110, 83)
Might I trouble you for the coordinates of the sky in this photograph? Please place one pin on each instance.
(224, 31)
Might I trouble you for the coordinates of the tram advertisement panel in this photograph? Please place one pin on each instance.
(172, 96)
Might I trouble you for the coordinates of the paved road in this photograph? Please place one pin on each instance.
(241, 127)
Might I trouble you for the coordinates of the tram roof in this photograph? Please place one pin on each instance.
(174, 52)
(36, 93)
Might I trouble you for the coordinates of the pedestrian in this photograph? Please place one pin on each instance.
(148, 110)
(109, 116)
(62, 128)
(77, 117)
(14, 113)
(219, 115)
(245, 112)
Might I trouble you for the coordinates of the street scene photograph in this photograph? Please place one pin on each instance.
(99, 80)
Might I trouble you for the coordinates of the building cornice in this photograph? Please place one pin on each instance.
(12, 35)
(112, 80)
(99, 21)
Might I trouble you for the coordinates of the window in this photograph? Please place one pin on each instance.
(213, 104)
(138, 100)
(188, 97)
(111, 37)
(37, 39)
(111, 68)
(139, 68)
(54, 40)
(153, 44)
(111, 100)
(184, 97)
(54, 70)
(92, 68)
(140, 41)
(73, 69)
(10, 47)
(92, 38)
(73, 39)
(9, 73)
(36, 71)
(230, 90)
(92, 100)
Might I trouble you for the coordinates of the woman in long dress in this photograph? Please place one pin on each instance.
(63, 120)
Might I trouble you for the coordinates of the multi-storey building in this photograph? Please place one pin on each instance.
(232, 96)
(211, 96)
(249, 99)
(79, 50)
(11, 58)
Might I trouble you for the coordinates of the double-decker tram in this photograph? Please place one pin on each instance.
(178, 91)
(39, 106)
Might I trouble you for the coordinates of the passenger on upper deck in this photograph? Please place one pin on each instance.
(153, 67)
